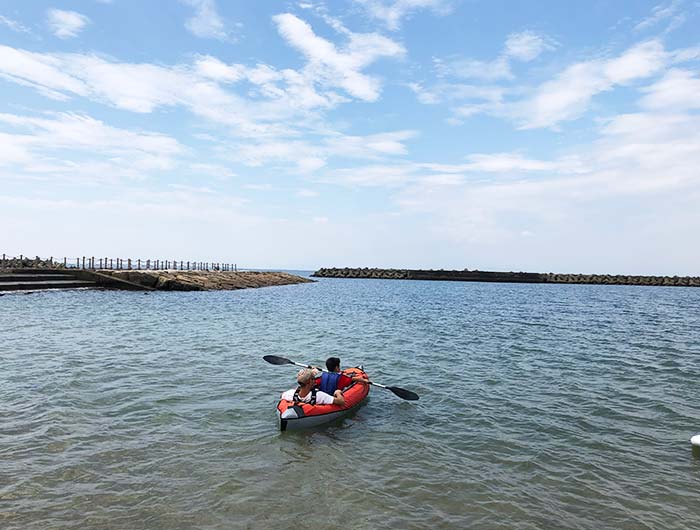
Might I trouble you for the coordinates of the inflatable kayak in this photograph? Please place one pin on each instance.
(303, 415)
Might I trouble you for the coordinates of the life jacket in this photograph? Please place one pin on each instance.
(329, 382)
(297, 398)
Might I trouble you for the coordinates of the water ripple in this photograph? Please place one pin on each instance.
(541, 407)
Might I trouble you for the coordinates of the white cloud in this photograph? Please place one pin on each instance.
(524, 46)
(678, 90)
(455, 92)
(495, 70)
(527, 45)
(339, 68)
(14, 25)
(307, 193)
(213, 68)
(145, 87)
(308, 156)
(505, 163)
(392, 11)
(75, 146)
(66, 24)
(206, 22)
(567, 96)
(391, 176)
(661, 13)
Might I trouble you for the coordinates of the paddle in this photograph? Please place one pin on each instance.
(401, 392)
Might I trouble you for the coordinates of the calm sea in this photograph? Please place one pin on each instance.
(542, 406)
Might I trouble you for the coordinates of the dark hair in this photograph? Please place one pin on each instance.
(332, 363)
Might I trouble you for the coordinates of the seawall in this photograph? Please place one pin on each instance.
(177, 280)
(507, 277)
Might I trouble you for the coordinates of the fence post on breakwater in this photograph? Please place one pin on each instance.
(65, 262)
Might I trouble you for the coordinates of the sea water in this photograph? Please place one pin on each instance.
(541, 406)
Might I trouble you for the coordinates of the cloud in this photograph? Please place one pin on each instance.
(210, 88)
(472, 69)
(505, 163)
(392, 11)
(339, 68)
(13, 25)
(567, 96)
(206, 22)
(678, 90)
(217, 70)
(76, 146)
(66, 24)
(663, 12)
(307, 193)
(527, 45)
(524, 46)
(309, 156)
(145, 87)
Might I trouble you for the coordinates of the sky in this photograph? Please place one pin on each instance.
(540, 136)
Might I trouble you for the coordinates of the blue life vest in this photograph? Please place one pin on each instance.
(329, 382)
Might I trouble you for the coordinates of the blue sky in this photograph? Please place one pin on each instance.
(500, 135)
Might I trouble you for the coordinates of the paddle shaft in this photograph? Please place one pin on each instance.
(400, 392)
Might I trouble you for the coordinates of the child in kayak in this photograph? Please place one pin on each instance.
(334, 379)
(307, 392)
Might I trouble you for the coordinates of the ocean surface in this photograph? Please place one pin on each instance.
(542, 407)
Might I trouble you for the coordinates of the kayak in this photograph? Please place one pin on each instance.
(303, 415)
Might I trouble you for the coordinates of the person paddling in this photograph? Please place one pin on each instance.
(334, 379)
(307, 392)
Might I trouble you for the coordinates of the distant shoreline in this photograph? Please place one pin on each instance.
(506, 277)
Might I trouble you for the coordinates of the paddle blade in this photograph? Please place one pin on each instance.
(274, 359)
(403, 393)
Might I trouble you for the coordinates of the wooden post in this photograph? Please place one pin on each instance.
(65, 261)
(100, 263)
(235, 267)
(129, 266)
(83, 262)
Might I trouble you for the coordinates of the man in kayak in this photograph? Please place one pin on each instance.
(333, 379)
(307, 392)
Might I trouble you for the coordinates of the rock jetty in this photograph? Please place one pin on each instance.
(508, 277)
(176, 280)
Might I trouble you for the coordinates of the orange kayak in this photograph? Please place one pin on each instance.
(303, 415)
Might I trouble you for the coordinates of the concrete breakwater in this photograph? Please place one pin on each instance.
(177, 280)
(507, 277)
